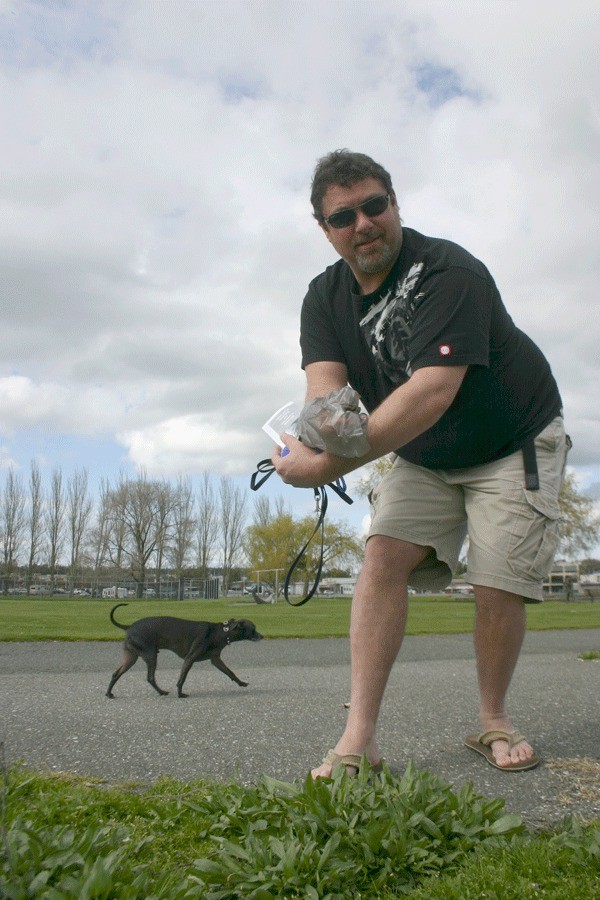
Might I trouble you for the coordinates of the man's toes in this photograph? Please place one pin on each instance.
(521, 753)
(322, 771)
(501, 754)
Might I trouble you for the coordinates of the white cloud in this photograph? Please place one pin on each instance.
(156, 237)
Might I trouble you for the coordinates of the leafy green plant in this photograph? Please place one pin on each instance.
(376, 839)
(60, 862)
(313, 840)
(591, 654)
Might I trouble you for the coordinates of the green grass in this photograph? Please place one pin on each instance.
(60, 619)
(342, 839)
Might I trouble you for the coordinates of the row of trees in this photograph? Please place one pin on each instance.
(134, 526)
(141, 528)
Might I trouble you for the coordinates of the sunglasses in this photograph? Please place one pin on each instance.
(373, 207)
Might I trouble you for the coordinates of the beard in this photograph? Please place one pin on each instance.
(376, 260)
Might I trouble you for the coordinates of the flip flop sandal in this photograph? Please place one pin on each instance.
(481, 743)
(349, 761)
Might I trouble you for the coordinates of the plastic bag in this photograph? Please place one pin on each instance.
(335, 423)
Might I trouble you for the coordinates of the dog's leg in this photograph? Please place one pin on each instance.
(219, 664)
(187, 665)
(150, 659)
(129, 658)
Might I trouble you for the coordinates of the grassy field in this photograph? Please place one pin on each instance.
(60, 619)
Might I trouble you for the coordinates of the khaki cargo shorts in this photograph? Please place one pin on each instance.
(513, 533)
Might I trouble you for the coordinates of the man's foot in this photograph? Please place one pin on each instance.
(351, 761)
(507, 750)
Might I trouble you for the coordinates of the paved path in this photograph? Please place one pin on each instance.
(54, 715)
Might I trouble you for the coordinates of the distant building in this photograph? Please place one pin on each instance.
(563, 578)
(590, 585)
(458, 586)
(114, 591)
(339, 587)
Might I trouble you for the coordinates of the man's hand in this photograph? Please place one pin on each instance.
(303, 467)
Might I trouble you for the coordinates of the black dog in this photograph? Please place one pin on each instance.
(192, 641)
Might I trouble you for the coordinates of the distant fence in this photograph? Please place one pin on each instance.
(183, 589)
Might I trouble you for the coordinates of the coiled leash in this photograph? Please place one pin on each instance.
(265, 468)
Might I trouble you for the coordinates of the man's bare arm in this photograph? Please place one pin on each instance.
(409, 411)
(324, 377)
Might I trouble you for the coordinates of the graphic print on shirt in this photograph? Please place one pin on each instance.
(387, 326)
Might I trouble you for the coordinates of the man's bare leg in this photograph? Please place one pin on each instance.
(377, 625)
(499, 631)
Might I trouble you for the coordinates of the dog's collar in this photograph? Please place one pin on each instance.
(226, 630)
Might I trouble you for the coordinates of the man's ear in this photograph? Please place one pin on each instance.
(325, 229)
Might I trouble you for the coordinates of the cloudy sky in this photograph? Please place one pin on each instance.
(156, 237)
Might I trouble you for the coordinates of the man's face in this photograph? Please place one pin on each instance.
(370, 245)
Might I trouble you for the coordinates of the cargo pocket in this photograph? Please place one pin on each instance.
(537, 537)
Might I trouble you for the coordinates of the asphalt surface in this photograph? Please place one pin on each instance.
(55, 715)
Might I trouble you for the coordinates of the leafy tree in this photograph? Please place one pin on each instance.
(274, 540)
(273, 543)
(373, 473)
(580, 527)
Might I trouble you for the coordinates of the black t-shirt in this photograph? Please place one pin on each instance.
(439, 306)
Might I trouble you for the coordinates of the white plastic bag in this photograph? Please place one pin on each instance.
(335, 423)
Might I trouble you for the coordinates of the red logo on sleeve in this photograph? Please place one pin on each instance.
(445, 350)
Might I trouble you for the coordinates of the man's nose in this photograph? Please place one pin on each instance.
(363, 222)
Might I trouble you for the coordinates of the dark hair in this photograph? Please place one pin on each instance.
(344, 168)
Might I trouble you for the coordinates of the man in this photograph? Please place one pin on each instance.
(470, 407)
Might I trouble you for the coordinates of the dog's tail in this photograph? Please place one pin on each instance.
(113, 620)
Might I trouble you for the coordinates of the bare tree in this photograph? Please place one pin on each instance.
(183, 529)
(100, 532)
(12, 524)
(55, 522)
(232, 515)
(165, 500)
(78, 512)
(207, 525)
(136, 524)
(264, 515)
(34, 519)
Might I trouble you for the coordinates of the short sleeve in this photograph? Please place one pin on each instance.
(319, 341)
(452, 318)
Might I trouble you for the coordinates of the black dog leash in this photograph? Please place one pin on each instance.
(265, 469)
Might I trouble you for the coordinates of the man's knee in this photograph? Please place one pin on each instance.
(388, 558)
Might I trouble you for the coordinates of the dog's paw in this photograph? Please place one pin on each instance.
(243, 683)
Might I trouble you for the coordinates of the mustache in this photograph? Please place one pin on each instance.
(367, 238)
